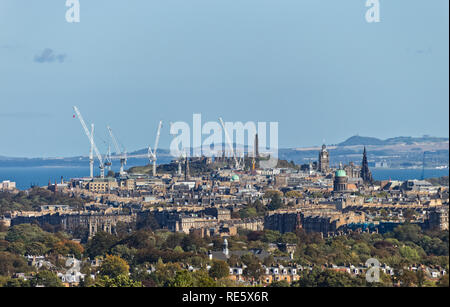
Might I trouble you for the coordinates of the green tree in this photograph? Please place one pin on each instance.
(278, 284)
(100, 244)
(120, 281)
(183, 278)
(275, 202)
(407, 278)
(202, 279)
(114, 266)
(219, 269)
(47, 279)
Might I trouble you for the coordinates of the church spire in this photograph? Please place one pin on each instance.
(366, 175)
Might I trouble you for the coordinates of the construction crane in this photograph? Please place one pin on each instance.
(152, 153)
(236, 162)
(122, 153)
(91, 140)
(91, 153)
(108, 158)
(422, 177)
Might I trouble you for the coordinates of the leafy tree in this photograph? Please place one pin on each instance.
(202, 279)
(11, 263)
(327, 278)
(289, 237)
(114, 266)
(124, 252)
(275, 202)
(294, 194)
(47, 279)
(100, 244)
(271, 194)
(409, 253)
(408, 278)
(120, 281)
(219, 269)
(271, 236)
(280, 283)
(183, 279)
(254, 268)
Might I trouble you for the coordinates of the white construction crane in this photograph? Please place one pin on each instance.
(152, 153)
(108, 159)
(122, 153)
(236, 162)
(91, 140)
(91, 153)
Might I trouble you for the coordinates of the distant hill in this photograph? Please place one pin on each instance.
(364, 140)
(361, 140)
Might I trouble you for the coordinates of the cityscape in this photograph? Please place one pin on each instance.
(224, 151)
(225, 221)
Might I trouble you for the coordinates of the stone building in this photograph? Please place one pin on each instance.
(438, 219)
(69, 222)
(325, 222)
(324, 160)
(340, 181)
(283, 221)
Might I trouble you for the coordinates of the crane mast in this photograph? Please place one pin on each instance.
(236, 162)
(91, 139)
(91, 153)
(152, 153)
(123, 154)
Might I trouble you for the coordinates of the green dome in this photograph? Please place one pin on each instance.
(340, 173)
(235, 178)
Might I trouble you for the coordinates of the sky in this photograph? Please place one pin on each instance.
(314, 66)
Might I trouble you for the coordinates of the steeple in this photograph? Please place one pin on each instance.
(366, 175)
(186, 169)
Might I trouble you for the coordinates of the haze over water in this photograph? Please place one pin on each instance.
(26, 176)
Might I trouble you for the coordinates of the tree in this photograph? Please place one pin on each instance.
(289, 237)
(182, 278)
(254, 268)
(271, 236)
(408, 278)
(294, 194)
(219, 269)
(420, 275)
(327, 278)
(114, 266)
(121, 281)
(275, 202)
(202, 279)
(278, 284)
(47, 279)
(100, 244)
(443, 281)
(11, 263)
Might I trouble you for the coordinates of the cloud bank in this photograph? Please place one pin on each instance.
(49, 56)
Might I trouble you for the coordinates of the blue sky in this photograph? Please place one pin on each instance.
(315, 66)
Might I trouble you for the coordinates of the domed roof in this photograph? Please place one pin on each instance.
(340, 173)
(235, 178)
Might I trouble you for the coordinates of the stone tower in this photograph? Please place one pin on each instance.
(366, 175)
(186, 169)
(324, 160)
